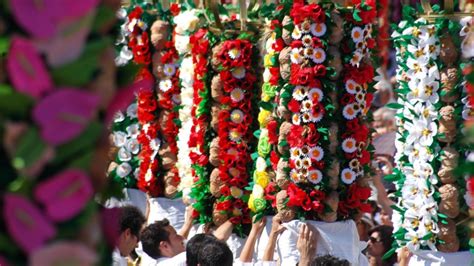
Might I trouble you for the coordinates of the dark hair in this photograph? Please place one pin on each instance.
(131, 218)
(385, 232)
(329, 260)
(152, 236)
(194, 245)
(215, 253)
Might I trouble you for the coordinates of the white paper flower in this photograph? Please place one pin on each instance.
(296, 34)
(349, 145)
(295, 119)
(123, 170)
(155, 144)
(133, 130)
(351, 86)
(238, 72)
(260, 164)
(118, 117)
(257, 191)
(299, 93)
(181, 43)
(356, 58)
(132, 110)
(349, 112)
(295, 176)
(316, 95)
(267, 75)
(316, 153)
(237, 95)
(186, 21)
(124, 155)
(357, 34)
(165, 85)
(121, 13)
(237, 116)
(169, 69)
(119, 138)
(318, 29)
(234, 53)
(295, 56)
(422, 131)
(133, 146)
(307, 40)
(124, 56)
(235, 135)
(295, 153)
(318, 56)
(186, 72)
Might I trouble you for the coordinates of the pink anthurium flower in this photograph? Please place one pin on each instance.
(65, 194)
(26, 69)
(26, 224)
(64, 253)
(64, 114)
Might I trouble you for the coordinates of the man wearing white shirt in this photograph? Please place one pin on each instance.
(131, 221)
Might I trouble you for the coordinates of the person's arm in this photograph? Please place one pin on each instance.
(147, 212)
(277, 228)
(382, 197)
(224, 231)
(255, 232)
(188, 222)
(404, 256)
(306, 244)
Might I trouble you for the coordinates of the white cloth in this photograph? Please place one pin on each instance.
(171, 209)
(339, 239)
(117, 259)
(178, 260)
(132, 196)
(237, 262)
(236, 244)
(431, 258)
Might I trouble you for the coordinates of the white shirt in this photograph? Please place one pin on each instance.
(178, 260)
(117, 259)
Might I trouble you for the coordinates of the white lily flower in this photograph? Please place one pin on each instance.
(422, 131)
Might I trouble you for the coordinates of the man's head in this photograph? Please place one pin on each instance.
(328, 260)
(380, 240)
(194, 245)
(215, 253)
(160, 239)
(131, 222)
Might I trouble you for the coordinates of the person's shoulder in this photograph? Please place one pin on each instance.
(179, 260)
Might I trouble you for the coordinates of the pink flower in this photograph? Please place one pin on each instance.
(64, 114)
(41, 18)
(26, 224)
(65, 194)
(26, 69)
(64, 253)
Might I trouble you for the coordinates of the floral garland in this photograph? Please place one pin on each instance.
(199, 138)
(234, 128)
(125, 130)
(186, 23)
(355, 101)
(416, 214)
(268, 136)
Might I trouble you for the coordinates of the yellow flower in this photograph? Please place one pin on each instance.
(251, 203)
(267, 62)
(262, 179)
(236, 192)
(263, 117)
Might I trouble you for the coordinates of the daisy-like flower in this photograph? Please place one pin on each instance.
(468, 113)
(417, 51)
(315, 176)
(466, 23)
(305, 151)
(165, 85)
(299, 93)
(307, 40)
(357, 34)
(234, 53)
(306, 117)
(349, 145)
(413, 237)
(119, 138)
(309, 52)
(237, 95)
(295, 153)
(295, 56)
(237, 116)
(169, 69)
(305, 26)
(354, 164)
(238, 72)
(306, 105)
(348, 176)
(429, 89)
(318, 29)
(235, 135)
(316, 153)
(351, 86)
(417, 67)
(132, 110)
(432, 50)
(295, 176)
(356, 58)
(318, 56)
(349, 112)
(316, 117)
(296, 34)
(123, 170)
(306, 163)
(155, 144)
(295, 119)
(360, 97)
(118, 117)
(315, 95)
(133, 130)
(298, 163)
(124, 155)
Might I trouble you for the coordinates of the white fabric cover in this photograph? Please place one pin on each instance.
(236, 244)
(171, 209)
(431, 258)
(132, 196)
(339, 239)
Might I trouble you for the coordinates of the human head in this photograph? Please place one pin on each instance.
(131, 222)
(194, 245)
(363, 226)
(380, 240)
(160, 239)
(328, 260)
(215, 253)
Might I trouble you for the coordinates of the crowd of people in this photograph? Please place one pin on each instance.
(159, 243)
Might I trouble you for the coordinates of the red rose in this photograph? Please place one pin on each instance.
(319, 70)
(294, 138)
(370, 43)
(225, 191)
(274, 158)
(369, 97)
(317, 206)
(236, 219)
(278, 45)
(175, 9)
(353, 125)
(223, 206)
(272, 132)
(294, 106)
(365, 157)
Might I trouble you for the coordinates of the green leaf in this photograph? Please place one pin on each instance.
(356, 16)
(29, 149)
(85, 141)
(394, 106)
(266, 105)
(4, 45)
(389, 254)
(79, 72)
(392, 177)
(13, 103)
(283, 143)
